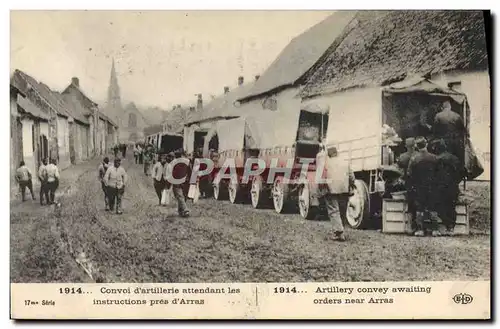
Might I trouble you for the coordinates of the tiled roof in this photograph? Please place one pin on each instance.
(24, 83)
(301, 54)
(178, 117)
(386, 46)
(222, 106)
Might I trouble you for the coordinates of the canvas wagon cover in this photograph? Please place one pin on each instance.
(268, 129)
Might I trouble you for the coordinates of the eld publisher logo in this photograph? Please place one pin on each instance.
(462, 299)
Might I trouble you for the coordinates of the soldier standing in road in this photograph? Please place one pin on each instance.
(52, 179)
(422, 182)
(147, 157)
(116, 180)
(115, 150)
(160, 182)
(42, 177)
(103, 168)
(180, 171)
(449, 176)
(339, 179)
(24, 179)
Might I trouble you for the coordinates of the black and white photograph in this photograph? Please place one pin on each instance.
(232, 146)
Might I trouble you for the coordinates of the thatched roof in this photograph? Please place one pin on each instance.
(385, 46)
(299, 56)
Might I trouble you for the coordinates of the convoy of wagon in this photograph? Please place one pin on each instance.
(282, 140)
(359, 96)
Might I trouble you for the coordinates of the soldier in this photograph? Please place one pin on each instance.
(179, 171)
(403, 162)
(42, 177)
(148, 158)
(404, 159)
(103, 168)
(23, 178)
(115, 150)
(449, 175)
(160, 182)
(52, 179)
(449, 126)
(422, 183)
(116, 180)
(136, 154)
(339, 179)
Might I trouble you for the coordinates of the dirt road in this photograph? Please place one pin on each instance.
(220, 242)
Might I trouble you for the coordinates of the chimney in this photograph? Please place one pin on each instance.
(240, 81)
(257, 77)
(75, 82)
(226, 90)
(199, 103)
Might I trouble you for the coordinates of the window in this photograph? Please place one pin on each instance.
(132, 120)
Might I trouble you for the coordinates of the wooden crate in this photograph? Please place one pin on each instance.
(395, 216)
(396, 219)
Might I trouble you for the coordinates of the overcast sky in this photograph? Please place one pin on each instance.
(162, 58)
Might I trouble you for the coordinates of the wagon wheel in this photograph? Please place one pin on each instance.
(234, 190)
(219, 190)
(280, 194)
(358, 206)
(257, 193)
(304, 202)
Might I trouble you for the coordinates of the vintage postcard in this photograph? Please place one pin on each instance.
(250, 164)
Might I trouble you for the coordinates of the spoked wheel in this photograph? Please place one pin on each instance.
(280, 194)
(304, 202)
(219, 190)
(257, 193)
(234, 190)
(358, 206)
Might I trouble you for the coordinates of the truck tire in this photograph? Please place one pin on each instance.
(281, 195)
(304, 203)
(358, 207)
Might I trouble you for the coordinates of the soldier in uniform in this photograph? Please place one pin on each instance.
(422, 184)
(449, 175)
(179, 171)
(42, 177)
(403, 163)
(160, 177)
(339, 179)
(449, 126)
(23, 177)
(116, 180)
(103, 168)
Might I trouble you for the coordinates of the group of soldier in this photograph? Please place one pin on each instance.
(48, 176)
(432, 171)
(113, 178)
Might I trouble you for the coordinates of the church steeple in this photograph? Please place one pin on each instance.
(114, 99)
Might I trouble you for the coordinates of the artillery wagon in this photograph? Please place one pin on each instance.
(355, 127)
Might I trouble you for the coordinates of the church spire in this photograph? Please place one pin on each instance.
(114, 99)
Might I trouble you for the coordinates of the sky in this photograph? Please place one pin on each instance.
(162, 58)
